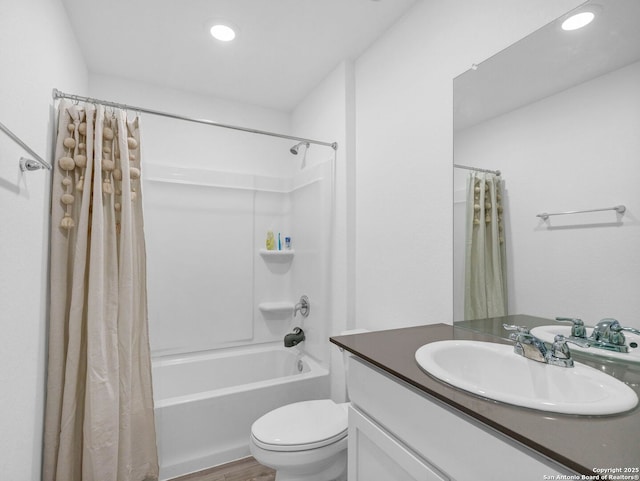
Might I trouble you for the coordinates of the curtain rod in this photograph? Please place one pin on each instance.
(57, 94)
(477, 169)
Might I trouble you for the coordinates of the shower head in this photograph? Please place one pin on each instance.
(295, 148)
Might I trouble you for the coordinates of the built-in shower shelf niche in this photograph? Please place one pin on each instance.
(277, 256)
(277, 308)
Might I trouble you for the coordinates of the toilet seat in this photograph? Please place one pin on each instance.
(301, 426)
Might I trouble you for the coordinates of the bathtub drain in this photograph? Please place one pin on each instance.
(300, 365)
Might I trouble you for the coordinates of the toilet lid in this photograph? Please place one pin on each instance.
(302, 425)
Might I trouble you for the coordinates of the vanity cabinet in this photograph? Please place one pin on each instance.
(376, 454)
(399, 433)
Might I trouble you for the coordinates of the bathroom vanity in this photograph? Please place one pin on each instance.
(406, 425)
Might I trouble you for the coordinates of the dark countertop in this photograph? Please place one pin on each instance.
(581, 443)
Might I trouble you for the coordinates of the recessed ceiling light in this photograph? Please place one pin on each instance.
(578, 20)
(224, 33)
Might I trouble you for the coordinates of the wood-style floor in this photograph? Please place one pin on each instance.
(247, 469)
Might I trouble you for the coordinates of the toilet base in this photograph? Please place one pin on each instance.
(336, 471)
(328, 463)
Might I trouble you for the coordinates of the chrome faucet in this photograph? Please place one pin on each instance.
(294, 338)
(609, 331)
(529, 346)
(607, 334)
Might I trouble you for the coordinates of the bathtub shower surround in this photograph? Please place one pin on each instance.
(221, 303)
(99, 422)
(206, 402)
(211, 274)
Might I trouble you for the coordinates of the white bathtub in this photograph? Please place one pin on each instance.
(205, 403)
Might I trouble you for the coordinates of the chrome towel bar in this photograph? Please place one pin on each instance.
(620, 209)
(26, 164)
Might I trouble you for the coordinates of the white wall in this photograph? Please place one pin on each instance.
(38, 54)
(174, 142)
(404, 150)
(578, 149)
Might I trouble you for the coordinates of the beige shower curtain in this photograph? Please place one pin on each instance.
(485, 260)
(99, 423)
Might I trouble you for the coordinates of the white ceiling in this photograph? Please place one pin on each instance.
(284, 48)
(549, 61)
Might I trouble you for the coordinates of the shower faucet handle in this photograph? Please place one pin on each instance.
(303, 306)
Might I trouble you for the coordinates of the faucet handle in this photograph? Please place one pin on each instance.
(513, 327)
(303, 306)
(631, 329)
(520, 333)
(559, 338)
(578, 329)
(617, 336)
(574, 320)
(560, 355)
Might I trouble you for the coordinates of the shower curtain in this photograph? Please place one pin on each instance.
(99, 423)
(485, 257)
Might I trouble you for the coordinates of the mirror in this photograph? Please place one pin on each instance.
(558, 114)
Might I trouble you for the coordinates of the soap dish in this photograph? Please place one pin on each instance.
(280, 307)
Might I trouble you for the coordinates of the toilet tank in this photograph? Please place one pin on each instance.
(340, 369)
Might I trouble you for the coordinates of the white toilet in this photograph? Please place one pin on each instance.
(304, 441)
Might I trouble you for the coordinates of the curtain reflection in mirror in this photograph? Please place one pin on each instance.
(485, 249)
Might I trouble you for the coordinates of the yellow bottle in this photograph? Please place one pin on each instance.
(271, 241)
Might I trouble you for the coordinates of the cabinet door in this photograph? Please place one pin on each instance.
(374, 455)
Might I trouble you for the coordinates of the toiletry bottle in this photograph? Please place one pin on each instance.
(287, 243)
(271, 241)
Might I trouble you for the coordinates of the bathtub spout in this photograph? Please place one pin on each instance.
(294, 338)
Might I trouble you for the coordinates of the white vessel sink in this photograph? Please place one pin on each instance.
(547, 333)
(494, 371)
